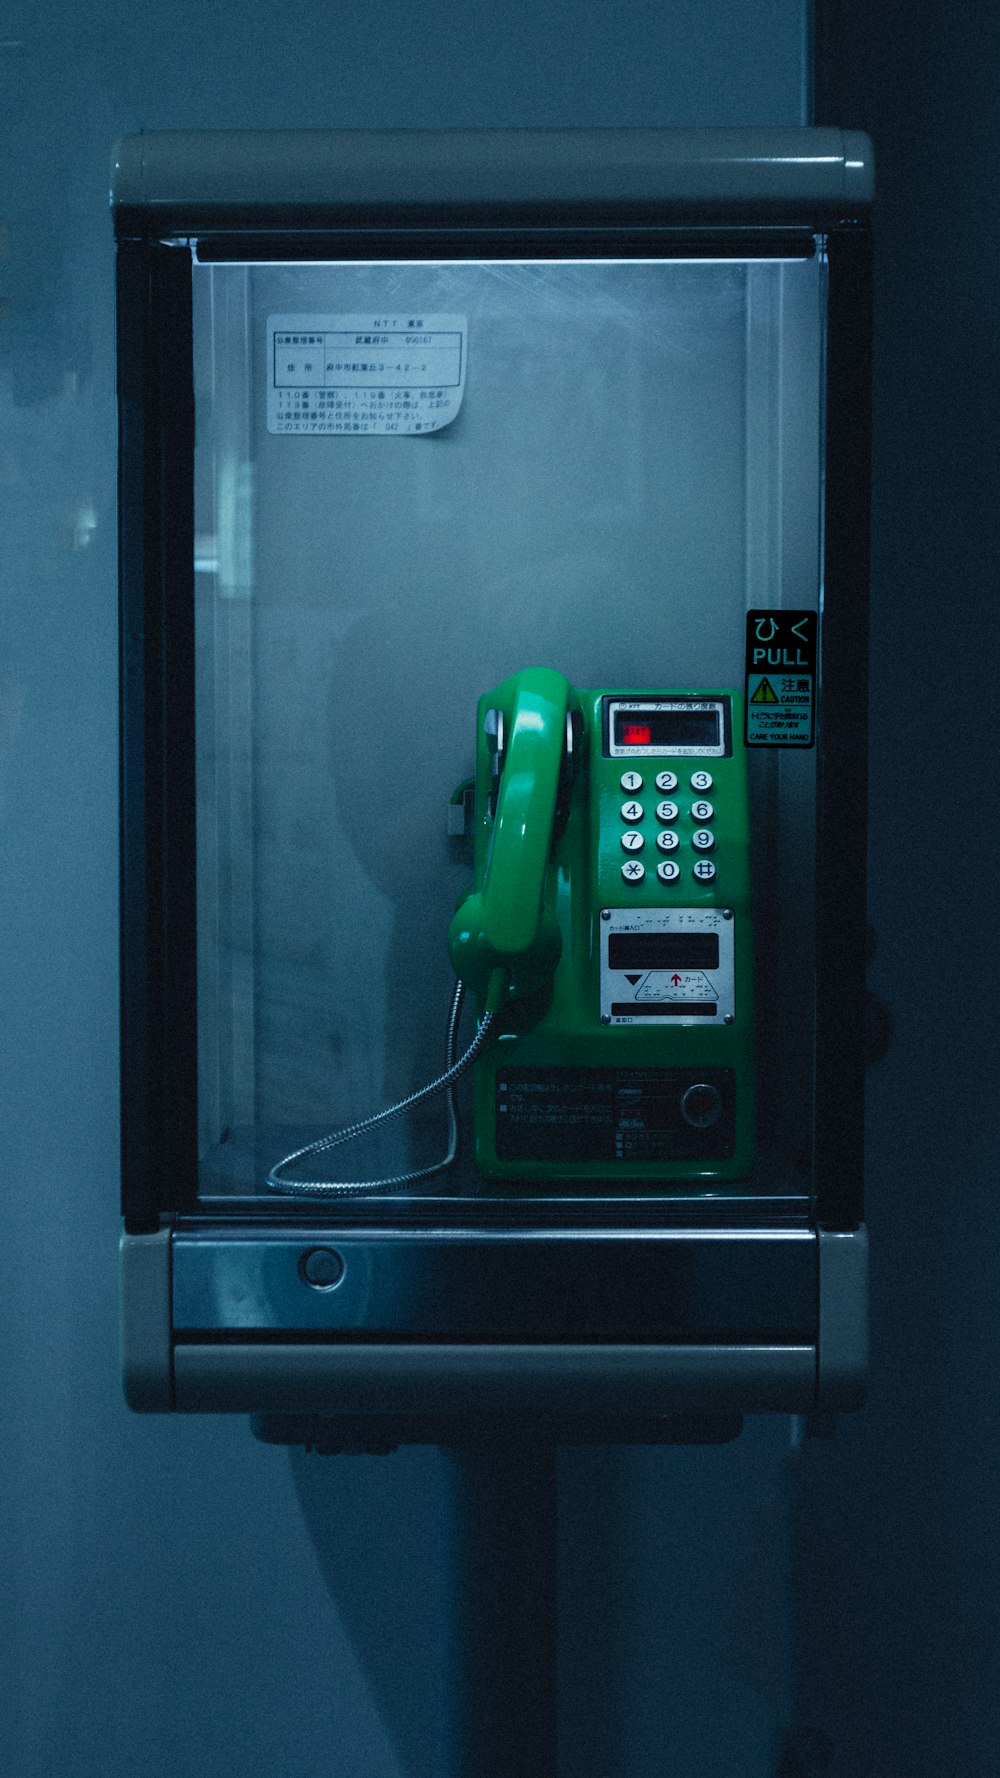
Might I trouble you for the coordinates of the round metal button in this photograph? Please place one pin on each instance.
(701, 780)
(666, 780)
(704, 870)
(667, 811)
(632, 841)
(631, 781)
(667, 840)
(702, 811)
(633, 871)
(322, 1267)
(631, 811)
(668, 870)
(703, 839)
(701, 1105)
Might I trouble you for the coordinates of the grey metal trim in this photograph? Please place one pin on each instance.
(270, 175)
(560, 1380)
(752, 1287)
(379, 1378)
(842, 1371)
(147, 1371)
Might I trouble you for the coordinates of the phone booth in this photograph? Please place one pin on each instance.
(494, 514)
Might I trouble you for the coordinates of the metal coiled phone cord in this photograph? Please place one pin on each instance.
(445, 1083)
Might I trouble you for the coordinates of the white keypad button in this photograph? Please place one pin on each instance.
(631, 781)
(701, 780)
(633, 871)
(704, 870)
(703, 839)
(633, 812)
(702, 811)
(668, 870)
(667, 840)
(666, 780)
(667, 811)
(632, 842)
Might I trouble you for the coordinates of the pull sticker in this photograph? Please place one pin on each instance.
(389, 375)
(780, 678)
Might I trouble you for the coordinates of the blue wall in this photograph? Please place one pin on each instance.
(179, 1601)
(897, 1531)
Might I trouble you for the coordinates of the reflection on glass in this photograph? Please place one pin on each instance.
(626, 457)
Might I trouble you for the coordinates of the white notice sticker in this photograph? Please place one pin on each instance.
(677, 984)
(383, 374)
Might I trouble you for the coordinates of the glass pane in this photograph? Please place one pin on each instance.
(413, 480)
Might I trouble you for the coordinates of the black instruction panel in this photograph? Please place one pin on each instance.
(612, 1114)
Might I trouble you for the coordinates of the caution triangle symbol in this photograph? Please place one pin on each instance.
(765, 693)
(634, 978)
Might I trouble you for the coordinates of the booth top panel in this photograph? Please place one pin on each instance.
(178, 180)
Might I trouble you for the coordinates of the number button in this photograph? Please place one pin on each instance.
(701, 780)
(633, 871)
(631, 781)
(666, 780)
(632, 842)
(704, 870)
(667, 811)
(667, 840)
(703, 839)
(668, 870)
(702, 811)
(632, 812)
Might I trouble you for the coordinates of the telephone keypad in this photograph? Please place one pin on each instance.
(681, 832)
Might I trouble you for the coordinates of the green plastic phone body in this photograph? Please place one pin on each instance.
(612, 890)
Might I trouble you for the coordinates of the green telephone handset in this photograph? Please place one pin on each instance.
(608, 928)
(509, 923)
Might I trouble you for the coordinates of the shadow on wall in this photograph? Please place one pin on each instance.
(670, 1656)
(381, 1527)
(443, 1569)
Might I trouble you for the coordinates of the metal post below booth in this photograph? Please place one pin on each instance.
(506, 1703)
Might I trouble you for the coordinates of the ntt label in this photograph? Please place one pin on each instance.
(780, 678)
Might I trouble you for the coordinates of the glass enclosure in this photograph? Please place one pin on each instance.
(413, 479)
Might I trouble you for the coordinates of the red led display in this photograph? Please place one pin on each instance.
(636, 734)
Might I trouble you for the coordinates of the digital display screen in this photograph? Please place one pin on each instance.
(672, 727)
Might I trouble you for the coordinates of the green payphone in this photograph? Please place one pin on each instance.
(609, 929)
